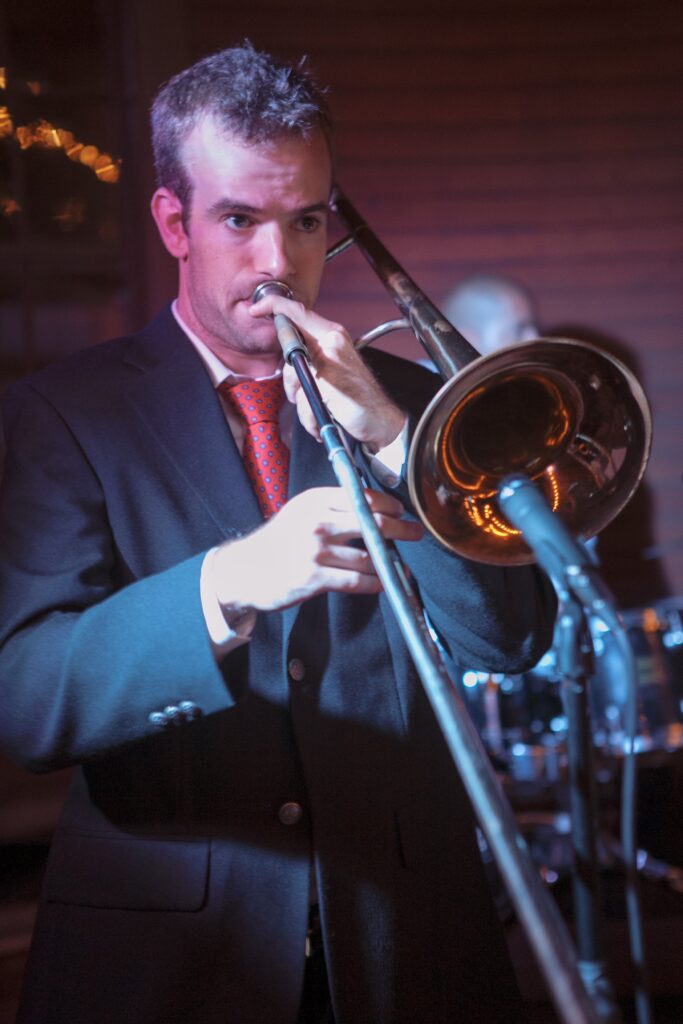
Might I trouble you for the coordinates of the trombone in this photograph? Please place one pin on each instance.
(571, 418)
(584, 436)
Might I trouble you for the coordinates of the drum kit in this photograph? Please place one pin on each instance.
(524, 727)
(522, 721)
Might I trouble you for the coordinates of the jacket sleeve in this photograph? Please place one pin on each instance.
(490, 618)
(86, 664)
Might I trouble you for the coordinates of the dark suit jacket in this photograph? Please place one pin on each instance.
(176, 891)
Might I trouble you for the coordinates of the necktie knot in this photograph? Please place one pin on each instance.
(257, 401)
(266, 457)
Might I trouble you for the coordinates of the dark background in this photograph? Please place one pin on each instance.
(536, 139)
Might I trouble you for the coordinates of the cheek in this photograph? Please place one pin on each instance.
(313, 263)
(218, 269)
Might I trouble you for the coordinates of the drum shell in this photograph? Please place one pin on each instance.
(656, 639)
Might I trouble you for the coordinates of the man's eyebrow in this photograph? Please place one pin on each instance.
(234, 205)
(227, 205)
(314, 208)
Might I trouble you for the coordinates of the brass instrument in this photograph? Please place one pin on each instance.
(563, 413)
(576, 422)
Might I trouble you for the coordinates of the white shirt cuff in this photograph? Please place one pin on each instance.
(226, 630)
(387, 463)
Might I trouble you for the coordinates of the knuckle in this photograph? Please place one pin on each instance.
(353, 581)
(336, 336)
(320, 536)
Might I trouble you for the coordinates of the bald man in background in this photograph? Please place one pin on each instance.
(492, 312)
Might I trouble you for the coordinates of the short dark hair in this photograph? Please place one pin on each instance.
(251, 94)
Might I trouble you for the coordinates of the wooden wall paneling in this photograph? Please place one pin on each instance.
(543, 141)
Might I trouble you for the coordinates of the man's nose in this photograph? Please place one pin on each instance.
(272, 256)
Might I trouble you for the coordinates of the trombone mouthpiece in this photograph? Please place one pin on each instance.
(287, 332)
(271, 288)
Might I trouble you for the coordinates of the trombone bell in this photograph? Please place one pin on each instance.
(563, 413)
(570, 417)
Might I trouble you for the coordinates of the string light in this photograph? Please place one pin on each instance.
(45, 135)
(6, 125)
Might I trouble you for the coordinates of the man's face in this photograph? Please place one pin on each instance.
(257, 212)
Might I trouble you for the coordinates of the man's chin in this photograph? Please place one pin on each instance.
(263, 339)
(256, 338)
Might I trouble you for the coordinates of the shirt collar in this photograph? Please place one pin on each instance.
(218, 371)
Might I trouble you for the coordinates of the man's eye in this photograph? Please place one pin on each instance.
(310, 223)
(238, 221)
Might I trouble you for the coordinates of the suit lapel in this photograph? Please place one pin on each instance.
(175, 397)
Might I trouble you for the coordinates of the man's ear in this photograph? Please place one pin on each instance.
(167, 211)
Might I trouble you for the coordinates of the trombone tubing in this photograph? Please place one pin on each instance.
(537, 912)
(448, 349)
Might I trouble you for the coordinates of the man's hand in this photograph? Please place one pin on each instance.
(350, 391)
(304, 550)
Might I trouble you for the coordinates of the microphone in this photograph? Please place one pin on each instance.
(288, 333)
(564, 558)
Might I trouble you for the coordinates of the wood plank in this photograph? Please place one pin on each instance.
(575, 174)
(537, 103)
(338, 27)
(583, 63)
(505, 209)
(398, 151)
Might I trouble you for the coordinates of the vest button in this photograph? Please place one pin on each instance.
(290, 813)
(296, 669)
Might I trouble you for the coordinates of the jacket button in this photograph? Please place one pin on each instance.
(173, 713)
(189, 709)
(158, 719)
(290, 813)
(296, 669)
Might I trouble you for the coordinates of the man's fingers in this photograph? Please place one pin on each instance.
(388, 511)
(348, 558)
(307, 320)
(345, 581)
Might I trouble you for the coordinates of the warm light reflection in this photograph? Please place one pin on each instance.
(651, 623)
(6, 125)
(70, 214)
(8, 206)
(105, 169)
(484, 516)
(48, 136)
(89, 155)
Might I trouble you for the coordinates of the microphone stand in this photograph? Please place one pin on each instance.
(571, 644)
(581, 593)
(537, 911)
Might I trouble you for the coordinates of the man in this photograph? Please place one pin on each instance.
(492, 312)
(255, 750)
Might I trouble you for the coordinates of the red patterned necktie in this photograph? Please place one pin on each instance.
(266, 458)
